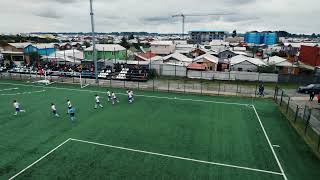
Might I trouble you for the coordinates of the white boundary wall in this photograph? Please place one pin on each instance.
(233, 75)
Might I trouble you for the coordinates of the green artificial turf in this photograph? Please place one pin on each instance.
(189, 126)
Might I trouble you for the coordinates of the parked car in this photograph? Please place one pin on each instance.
(310, 88)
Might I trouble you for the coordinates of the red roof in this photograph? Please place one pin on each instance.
(147, 55)
(196, 66)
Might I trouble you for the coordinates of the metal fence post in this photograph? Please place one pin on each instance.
(319, 143)
(201, 87)
(153, 84)
(276, 90)
(255, 92)
(168, 86)
(288, 104)
(297, 113)
(219, 88)
(281, 98)
(307, 123)
(237, 87)
(184, 86)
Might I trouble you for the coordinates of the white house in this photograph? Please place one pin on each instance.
(177, 59)
(282, 65)
(162, 47)
(185, 48)
(244, 63)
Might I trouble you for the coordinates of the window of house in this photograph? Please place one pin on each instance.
(240, 69)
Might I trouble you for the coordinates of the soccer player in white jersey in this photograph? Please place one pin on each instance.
(69, 105)
(16, 105)
(54, 110)
(109, 95)
(130, 96)
(97, 98)
(114, 98)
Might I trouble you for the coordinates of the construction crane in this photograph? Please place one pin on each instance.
(183, 17)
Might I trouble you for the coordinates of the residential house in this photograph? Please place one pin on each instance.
(76, 45)
(198, 52)
(162, 48)
(14, 51)
(42, 49)
(106, 51)
(65, 46)
(282, 65)
(234, 40)
(310, 55)
(148, 56)
(177, 59)
(226, 54)
(185, 49)
(209, 61)
(246, 64)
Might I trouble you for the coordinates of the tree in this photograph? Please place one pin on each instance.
(314, 36)
(234, 33)
(124, 43)
(87, 44)
(131, 37)
(267, 69)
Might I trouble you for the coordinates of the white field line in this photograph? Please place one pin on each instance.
(140, 95)
(270, 145)
(35, 162)
(177, 157)
(9, 89)
(277, 146)
(84, 86)
(22, 93)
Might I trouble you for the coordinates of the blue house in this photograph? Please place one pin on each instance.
(42, 49)
(267, 38)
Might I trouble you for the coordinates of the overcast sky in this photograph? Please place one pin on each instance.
(296, 16)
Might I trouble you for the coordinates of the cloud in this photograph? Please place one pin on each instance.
(49, 13)
(156, 15)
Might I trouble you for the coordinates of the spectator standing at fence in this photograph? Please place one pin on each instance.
(312, 94)
(261, 89)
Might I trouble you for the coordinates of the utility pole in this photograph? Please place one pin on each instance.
(94, 53)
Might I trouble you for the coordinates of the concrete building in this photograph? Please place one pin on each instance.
(206, 36)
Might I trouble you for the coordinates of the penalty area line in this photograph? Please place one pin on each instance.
(177, 157)
(35, 162)
(23, 93)
(269, 143)
(9, 89)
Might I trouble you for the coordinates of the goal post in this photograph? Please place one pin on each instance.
(83, 83)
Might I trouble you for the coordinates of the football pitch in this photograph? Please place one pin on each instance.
(159, 136)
